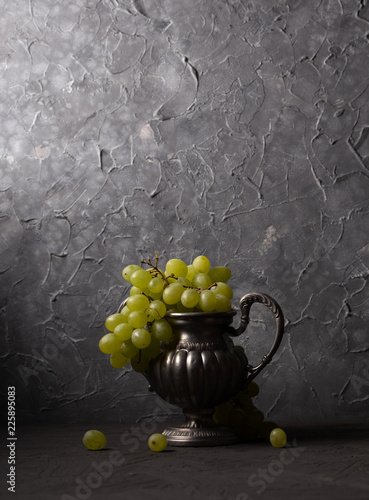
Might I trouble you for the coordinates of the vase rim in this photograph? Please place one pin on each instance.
(200, 314)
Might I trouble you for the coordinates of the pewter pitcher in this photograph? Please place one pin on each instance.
(201, 368)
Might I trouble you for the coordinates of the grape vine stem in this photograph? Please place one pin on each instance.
(148, 262)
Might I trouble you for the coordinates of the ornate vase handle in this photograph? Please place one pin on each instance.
(245, 304)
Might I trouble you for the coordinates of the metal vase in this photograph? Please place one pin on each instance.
(201, 368)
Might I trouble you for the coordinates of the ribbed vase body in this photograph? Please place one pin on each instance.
(201, 368)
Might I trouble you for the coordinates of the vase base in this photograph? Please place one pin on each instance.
(200, 436)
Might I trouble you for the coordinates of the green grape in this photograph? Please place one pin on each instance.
(201, 280)
(94, 440)
(255, 418)
(253, 389)
(176, 267)
(190, 273)
(190, 297)
(153, 349)
(155, 273)
(128, 349)
(156, 310)
(179, 307)
(278, 438)
(141, 278)
(201, 264)
(172, 293)
(156, 285)
(237, 417)
(109, 343)
(207, 301)
(137, 319)
(217, 420)
(222, 412)
(118, 360)
(245, 401)
(141, 338)
(137, 291)
(157, 442)
(184, 281)
(266, 428)
(123, 331)
(222, 289)
(249, 406)
(140, 362)
(161, 330)
(125, 311)
(220, 273)
(129, 270)
(155, 296)
(222, 304)
(113, 320)
(138, 303)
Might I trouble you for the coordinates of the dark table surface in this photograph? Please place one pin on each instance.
(320, 461)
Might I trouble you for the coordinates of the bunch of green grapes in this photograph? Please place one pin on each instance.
(137, 331)
(241, 414)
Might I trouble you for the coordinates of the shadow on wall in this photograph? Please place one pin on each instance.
(236, 129)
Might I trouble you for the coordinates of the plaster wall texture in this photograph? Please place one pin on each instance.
(238, 129)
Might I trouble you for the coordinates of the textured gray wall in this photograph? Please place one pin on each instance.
(238, 129)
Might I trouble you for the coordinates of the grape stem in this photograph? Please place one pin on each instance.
(155, 266)
(165, 278)
(199, 290)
